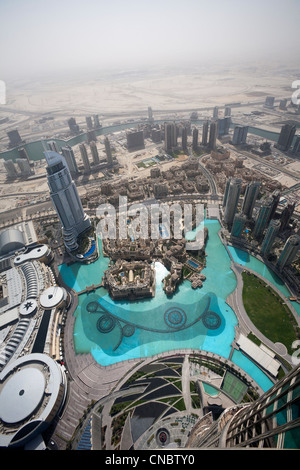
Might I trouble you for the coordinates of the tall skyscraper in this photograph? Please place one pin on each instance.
(216, 112)
(95, 153)
(226, 192)
(10, 169)
(271, 421)
(223, 126)
(238, 225)
(250, 197)
(296, 147)
(234, 191)
(74, 128)
(89, 122)
(289, 252)
(286, 136)
(195, 138)
(85, 158)
(69, 156)
(23, 154)
(270, 236)
(24, 167)
(108, 151)
(262, 218)
(135, 140)
(66, 200)
(227, 111)
(96, 121)
(150, 114)
(53, 146)
(240, 135)
(275, 201)
(14, 138)
(205, 133)
(286, 216)
(213, 132)
(184, 138)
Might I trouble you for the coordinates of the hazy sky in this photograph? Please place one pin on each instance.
(38, 34)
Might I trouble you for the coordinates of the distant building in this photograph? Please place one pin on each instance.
(195, 138)
(213, 132)
(94, 152)
(91, 136)
(14, 138)
(240, 135)
(286, 137)
(23, 154)
(69, 156)
(24, 166)
(275, 201)
(232, 200)
(135, 140)
(296, 147)
(89, 122)
(66, 200)
(282, 104)
(74, 128)
(10, 169)
(270, 236)
(85, 158)
(184, 138)
(150, 114)
(289, 252)
(96, 121)
(205, 133)
(227, 111)
(269, 103)
(216, 112)
(286, 216)
(250, 197)
(108, 151)
(53, 146)
(224, 126)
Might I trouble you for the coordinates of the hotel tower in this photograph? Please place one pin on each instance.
(66, 200)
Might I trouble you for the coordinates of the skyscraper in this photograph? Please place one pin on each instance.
(85, 158)
(223, 126)
(69, 156)
(66, 200)
(74, 128)
(289, 252)
(213, 132)
(270, 236)
(262, 218)
(24, 167)
(10, 169)
(184, 138)
(240, 135)
(234, 191)
(271, 421)
(227, 111)
(275, 201)
(205, 133)
(238, 224)
(108, 151)
(250, 197)
(216, 112)
(195, 138)
(286, 136)
(89, 122)
(95, 153)
(14, 138)
(286, 216)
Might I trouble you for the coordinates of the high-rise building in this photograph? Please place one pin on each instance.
(108, 151)
(250, 197)
(150, 114)
(223, 126)
(275, 201)
(286, 137)
(96, 121)
(296, 147)
(74, 128)
(14, 138)
(271, 421)
(213, 132)
(227, 111)
(94, 152)
(234, 191)
(238, 225)
(66, 200)
(270, 236)
(24, 167)
(226, 192)
(262, 218)
(269, 103)
(286, 216)
(85, 158)
(69, 156)
(135, 140)
(289, 252)
(184, 138)
(23, 154)
(195, 138)
(53, 146)
(205, 133)
(10, 169)
(240, 135)
(91, 136)
(216, 112)
(89, 122)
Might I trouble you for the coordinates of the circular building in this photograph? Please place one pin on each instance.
(32, 391)
(54, 297)
(11, 239)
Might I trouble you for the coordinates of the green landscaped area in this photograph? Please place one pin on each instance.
(268, 312)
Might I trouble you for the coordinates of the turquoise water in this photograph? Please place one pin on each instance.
(210, 389)
(114, 331)
(247, 260)
(250, 368)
